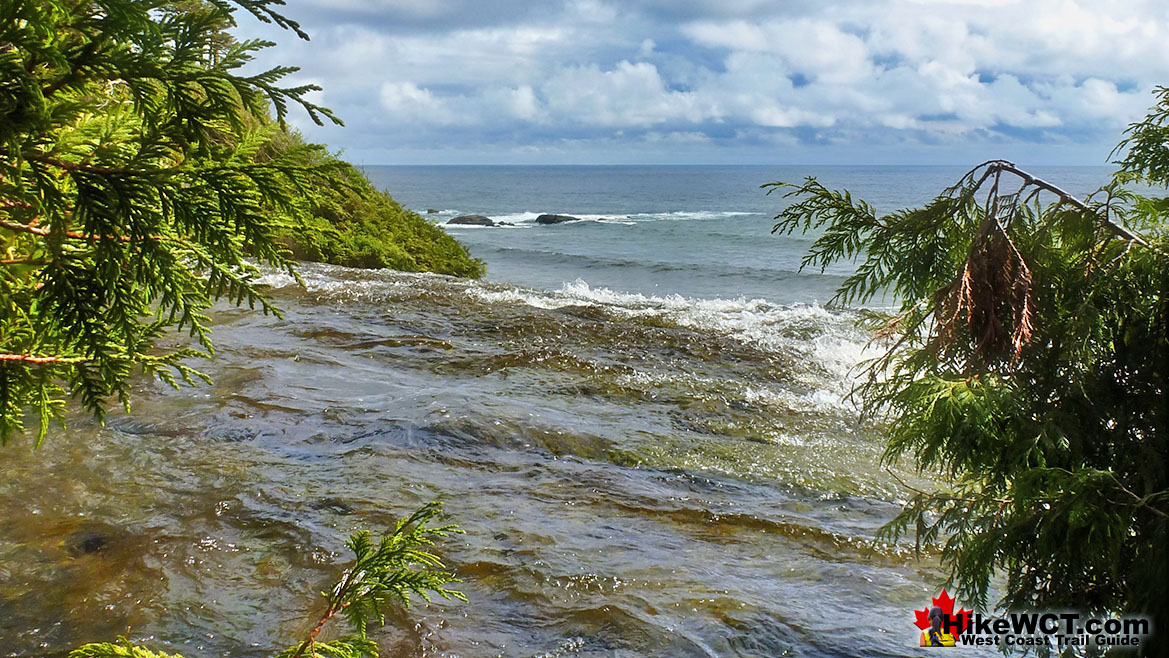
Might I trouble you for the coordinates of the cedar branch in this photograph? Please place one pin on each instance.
(37, 360)
(77, 235)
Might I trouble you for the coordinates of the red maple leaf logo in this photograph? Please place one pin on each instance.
(946, 603)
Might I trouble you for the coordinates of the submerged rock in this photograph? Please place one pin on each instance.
(472, 220)
(86, 542)
(431, 211)
(556, 219)
(334, 505)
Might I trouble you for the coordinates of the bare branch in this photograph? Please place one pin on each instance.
(1069, 198)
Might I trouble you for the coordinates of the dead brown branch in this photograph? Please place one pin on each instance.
(993, 293)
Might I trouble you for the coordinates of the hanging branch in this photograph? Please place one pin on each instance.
(994, 285)
(994, 167)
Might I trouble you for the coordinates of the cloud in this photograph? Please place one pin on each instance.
(895, 77)
(630, 94)
(406, 102)
(815, 47)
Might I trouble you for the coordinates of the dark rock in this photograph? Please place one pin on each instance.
(504, 224)
(431, 211)
(472, 220)
(556, 219)
(334, 505)
(86, 542)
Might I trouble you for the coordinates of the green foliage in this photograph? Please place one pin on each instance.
(384, 573)
(1029, 365)
(1147, 146)
(123, 650)
(358, 225)
(350, 648)
(379, 577)
(130, 195)
(141, 181)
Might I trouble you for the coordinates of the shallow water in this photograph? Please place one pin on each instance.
(655, 469)
(636, 475)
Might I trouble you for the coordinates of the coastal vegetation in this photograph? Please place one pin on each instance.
(142, 181)
(1029, 365)
(356, 224)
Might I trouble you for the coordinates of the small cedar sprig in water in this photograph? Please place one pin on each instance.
(383, 573)
(381, 576)
(111, 650)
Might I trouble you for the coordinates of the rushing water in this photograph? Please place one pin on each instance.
(640, 423)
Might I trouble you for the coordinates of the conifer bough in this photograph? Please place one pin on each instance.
(1028, 364)
(138, 185)
(136, 189)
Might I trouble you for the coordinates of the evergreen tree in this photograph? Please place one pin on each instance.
(131, 194)
(1029, 365)
(139, 183)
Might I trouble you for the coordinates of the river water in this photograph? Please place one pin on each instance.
(640, 420)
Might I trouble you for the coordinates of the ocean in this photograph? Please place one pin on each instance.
(695, 231)
(641, 420)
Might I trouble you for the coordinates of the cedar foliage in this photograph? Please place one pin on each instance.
(130, 194)
(141, 180)
(383, 573)
(1029, 365)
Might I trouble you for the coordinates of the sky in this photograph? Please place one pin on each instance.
(725, 81)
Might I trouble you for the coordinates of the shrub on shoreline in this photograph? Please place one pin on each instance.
(358, 225)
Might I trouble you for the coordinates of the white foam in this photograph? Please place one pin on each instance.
(818, 400)
(346, 283)
(535, 299)
(626, 218)
(275, 279)
(827, 341)
(688, 215)
(832, 341)
(516, 218)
